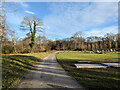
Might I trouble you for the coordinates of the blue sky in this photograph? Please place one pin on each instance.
(62, 20)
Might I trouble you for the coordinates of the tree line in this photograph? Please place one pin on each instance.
(108, 42)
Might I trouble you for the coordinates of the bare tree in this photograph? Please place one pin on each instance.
(78, 40)
(4, 27)
(12, 34)
(4, 9)
(32, 24)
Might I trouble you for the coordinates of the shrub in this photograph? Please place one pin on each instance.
(26, 51)
(7, 49)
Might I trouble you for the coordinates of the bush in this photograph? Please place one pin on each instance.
(26, 51)
(77, 49)
(7, 49)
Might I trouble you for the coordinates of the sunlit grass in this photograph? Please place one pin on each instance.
(15, 66)
(39, 55)
(91, 78)
(97, 58)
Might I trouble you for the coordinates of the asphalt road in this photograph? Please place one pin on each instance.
(48, 74)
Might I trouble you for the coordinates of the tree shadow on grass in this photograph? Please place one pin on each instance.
(93, 78)
(14, 67)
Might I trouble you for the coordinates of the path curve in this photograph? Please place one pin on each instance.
(48, 74)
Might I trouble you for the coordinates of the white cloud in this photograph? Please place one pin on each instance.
(99, 14)
(103, 31)
(23, 4)
(29, 12)
(72, 17)
(55, 34)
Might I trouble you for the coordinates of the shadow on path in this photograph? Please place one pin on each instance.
(48, 74)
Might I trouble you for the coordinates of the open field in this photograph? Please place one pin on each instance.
(15, 66)
(91, 78)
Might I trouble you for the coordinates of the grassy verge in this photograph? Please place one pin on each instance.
(15, 66)
(91, 78)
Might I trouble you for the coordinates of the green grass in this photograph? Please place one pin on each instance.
(91, 78)
(14, 67)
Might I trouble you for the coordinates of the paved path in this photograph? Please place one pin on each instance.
(48, 74)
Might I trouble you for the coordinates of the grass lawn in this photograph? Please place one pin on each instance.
(91, 78)
(15, 66)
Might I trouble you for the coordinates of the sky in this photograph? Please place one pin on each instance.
(63, 19)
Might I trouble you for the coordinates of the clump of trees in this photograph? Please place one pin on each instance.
(31, 43)
(22, 45)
